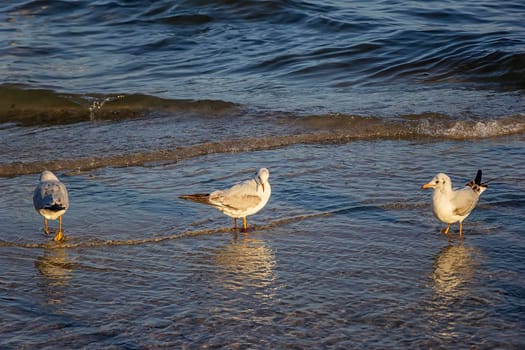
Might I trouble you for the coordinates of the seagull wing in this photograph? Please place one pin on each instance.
(464, 201)
(239, 197)
(51, 195)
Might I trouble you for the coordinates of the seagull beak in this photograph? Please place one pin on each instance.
(259, 182)
(427, 186)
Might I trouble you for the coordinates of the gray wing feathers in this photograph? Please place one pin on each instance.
(241, 196)
(465, 200)
(51, 195)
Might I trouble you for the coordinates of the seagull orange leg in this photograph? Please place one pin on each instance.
(460, 230)
(446, 230)
(59, 236)
(244, 224)
(234, 223)
(46, 227)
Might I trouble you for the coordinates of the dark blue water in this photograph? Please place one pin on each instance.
(352, 105)
(377, 57)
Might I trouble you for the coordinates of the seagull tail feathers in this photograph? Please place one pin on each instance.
(477, 180)
(476, 184)
(482, 186)
(198, 197)
(55, 207)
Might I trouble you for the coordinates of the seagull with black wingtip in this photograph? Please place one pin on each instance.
(451, 205)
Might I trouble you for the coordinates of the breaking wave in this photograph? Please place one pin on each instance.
(315, 130)
(226, 128)
(31, 107)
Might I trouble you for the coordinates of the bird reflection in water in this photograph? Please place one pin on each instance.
(453, 271)
(55, 267)
(454, 267)
(246, 263)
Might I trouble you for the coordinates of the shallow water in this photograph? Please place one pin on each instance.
(351, 105)
(346, 254)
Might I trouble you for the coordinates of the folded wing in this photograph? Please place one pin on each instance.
(465, 201)
(239, 197)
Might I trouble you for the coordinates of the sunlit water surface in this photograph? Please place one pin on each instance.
(351, 105)
(345, 255)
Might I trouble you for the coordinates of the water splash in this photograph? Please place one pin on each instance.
(97, 104)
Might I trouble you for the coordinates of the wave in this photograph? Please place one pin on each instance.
(425, 125)
(314, 130)
(28, 106)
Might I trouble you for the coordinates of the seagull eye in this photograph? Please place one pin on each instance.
(437, 181)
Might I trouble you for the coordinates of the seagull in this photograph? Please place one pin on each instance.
(239, 201)
(451, 206)
(51, 201)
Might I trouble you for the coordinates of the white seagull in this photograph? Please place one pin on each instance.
(243, 199)
(51, 200)
(451, 206)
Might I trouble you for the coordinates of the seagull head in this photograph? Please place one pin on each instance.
(262, 177)
(46, 175)
(440, 181)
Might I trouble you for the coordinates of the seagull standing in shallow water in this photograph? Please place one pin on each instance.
(51, 201)
(451, 206)
(243, 199)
